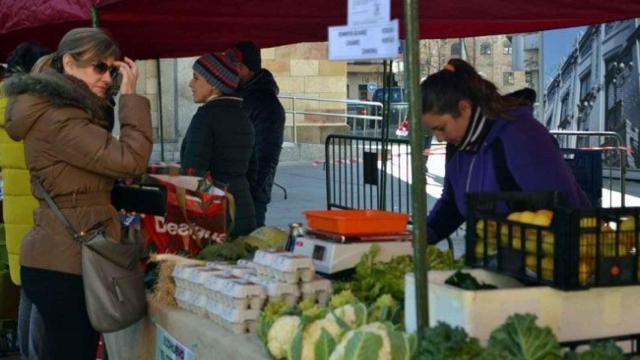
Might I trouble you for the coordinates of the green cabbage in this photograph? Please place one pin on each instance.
(268, 237)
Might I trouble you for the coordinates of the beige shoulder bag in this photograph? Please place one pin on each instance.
(111, 274)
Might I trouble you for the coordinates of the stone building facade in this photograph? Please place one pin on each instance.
(597, 88)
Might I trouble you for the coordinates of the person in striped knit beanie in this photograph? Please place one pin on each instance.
(220, 137)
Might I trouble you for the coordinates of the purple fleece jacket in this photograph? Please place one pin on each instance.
(532, 156)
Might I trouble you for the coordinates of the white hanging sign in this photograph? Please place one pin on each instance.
(369, 42)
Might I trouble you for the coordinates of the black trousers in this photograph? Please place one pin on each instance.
(59, 298)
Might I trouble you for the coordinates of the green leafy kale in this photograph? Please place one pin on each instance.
(519, 338)
(467, 281)
(598, 351)
(444, 342)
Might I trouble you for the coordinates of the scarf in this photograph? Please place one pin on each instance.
(478, 128)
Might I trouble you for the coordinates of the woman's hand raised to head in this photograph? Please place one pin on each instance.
(129, 71)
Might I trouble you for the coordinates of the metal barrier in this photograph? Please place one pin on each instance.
(617, 150)
(353, 175)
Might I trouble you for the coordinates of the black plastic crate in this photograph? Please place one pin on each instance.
(578, 249)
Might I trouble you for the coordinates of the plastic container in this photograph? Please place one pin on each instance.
(580, 248)
(357, 222)
(572, 315)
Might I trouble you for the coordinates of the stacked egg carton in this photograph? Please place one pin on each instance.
(190, 294)
(234, 302)
(286, 276)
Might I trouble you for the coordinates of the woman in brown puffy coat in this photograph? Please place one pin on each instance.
(59, 113)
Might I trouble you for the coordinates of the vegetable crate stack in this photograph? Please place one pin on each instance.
(533, 238)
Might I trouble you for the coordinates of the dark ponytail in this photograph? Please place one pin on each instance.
(458, 80)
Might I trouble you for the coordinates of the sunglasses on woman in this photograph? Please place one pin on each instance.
(101, 67)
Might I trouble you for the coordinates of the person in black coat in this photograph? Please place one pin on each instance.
(220, 137)
(260, 93)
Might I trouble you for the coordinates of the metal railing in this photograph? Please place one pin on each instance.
(353, 173)
(364, 118)
(617, 149)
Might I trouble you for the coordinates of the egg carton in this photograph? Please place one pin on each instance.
(284, 266)
(185, 299)
(214, 284)
(241, 271)
(247, 263)
(198, 277)
(263, 260)
(277, 290)
(242, 294)
(237, 321)
(292, 268)
(181, 274)
(318, 290)
(219, 265)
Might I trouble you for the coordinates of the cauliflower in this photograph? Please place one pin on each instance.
(312, 333)
(280, 335)
(269, 314)
(310, 310)
(342, 298)
(353, 315)
(387, 349)
(383, 309)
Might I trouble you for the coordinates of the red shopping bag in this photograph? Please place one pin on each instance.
(196, 215)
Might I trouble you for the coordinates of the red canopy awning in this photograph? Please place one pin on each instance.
(165, 28)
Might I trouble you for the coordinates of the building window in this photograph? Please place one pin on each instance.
(608, 27)
(528, 78)
(363, 93)
(564, 107)
(455, 49)
(585, 47)
(506, 48)
(508, 78)
(485, 48)
(585, 84)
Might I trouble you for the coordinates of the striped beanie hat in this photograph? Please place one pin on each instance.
(220, 70)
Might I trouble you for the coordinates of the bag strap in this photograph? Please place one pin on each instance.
(57, 212)
(504, 177)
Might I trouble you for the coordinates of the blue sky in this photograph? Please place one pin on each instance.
(558, 44)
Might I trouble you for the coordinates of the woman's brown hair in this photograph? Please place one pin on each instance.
(86, 45)
(458, 80)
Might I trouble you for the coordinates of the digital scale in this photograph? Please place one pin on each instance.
(332, 253)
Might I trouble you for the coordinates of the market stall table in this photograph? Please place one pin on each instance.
(198, 334)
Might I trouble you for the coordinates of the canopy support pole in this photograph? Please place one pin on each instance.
(418, 196)
(160, 117)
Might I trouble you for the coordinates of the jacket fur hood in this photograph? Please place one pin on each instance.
(31, 95)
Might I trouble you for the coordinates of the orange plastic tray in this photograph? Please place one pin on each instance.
(357, 222)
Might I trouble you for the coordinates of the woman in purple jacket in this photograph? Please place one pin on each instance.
(499, 145)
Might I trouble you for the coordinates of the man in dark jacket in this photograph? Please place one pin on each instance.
(260, 93)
